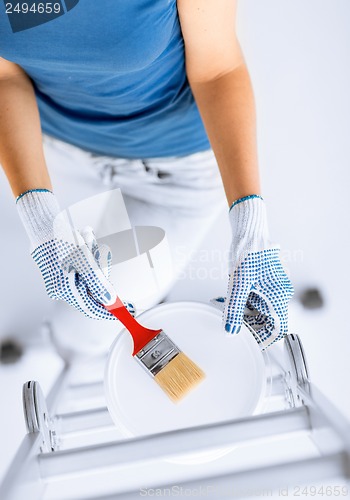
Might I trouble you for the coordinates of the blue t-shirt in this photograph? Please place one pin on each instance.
(109, 75)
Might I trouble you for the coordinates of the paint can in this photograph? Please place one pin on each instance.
(235, 384)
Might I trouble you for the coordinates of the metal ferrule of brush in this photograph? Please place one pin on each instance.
(157, 353)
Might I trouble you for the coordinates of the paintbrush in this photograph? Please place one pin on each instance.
(173, 371)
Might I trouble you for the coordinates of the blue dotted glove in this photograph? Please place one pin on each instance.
(259, 289)
(77, 274)
(74, 267)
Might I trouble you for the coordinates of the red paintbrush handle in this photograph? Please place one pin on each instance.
(140, 334)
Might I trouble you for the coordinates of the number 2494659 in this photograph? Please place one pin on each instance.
(321, 491)
(33, 8)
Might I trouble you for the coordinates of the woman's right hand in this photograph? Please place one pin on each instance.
(74, 267)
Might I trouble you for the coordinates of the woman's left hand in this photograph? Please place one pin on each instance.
(259, 289)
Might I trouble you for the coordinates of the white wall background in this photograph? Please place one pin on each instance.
(298, 53)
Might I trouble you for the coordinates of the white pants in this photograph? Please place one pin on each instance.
(182, 195)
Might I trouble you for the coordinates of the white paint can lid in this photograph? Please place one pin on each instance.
(234, 386)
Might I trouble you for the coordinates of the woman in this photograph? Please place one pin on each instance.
(162, 83)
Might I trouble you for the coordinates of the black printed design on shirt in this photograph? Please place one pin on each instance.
(71, 3)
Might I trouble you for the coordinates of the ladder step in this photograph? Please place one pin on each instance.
(179, 442)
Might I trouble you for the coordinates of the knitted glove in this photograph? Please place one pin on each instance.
(74, 267)
(259, 290)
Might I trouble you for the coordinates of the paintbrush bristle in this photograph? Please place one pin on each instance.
(179, 376)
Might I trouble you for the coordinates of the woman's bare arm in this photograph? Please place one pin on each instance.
(221, 86)
(21, 150)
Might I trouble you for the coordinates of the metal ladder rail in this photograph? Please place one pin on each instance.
(23, 469)
(172, 443)
(323, 416)
(309, 414)
(329, 430)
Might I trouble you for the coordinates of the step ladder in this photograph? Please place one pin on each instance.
(73, 450)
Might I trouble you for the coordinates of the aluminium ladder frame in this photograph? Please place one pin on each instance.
(39, 458)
